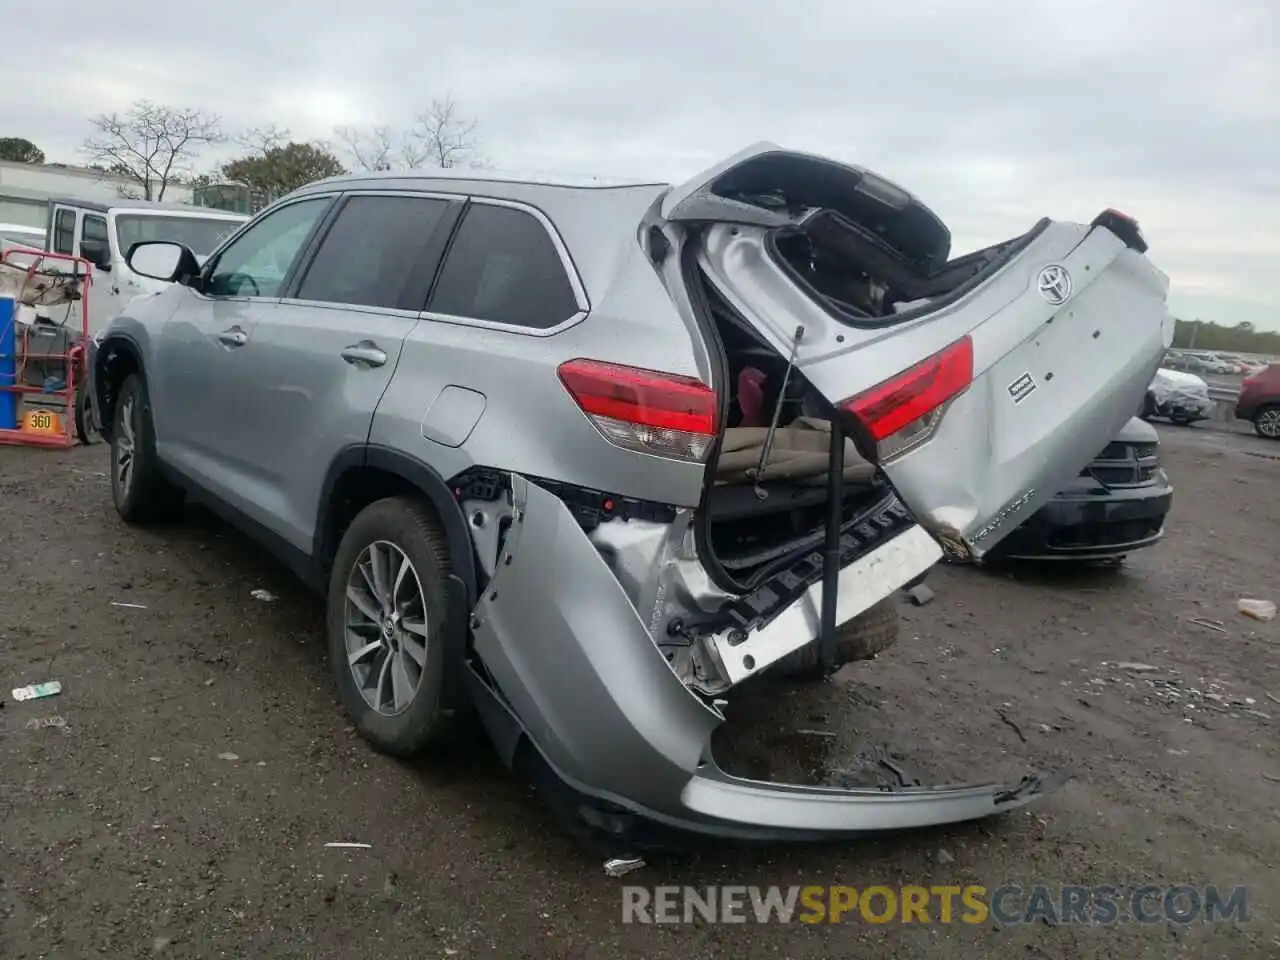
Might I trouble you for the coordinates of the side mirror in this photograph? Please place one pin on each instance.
(96, 253)
(162, 260)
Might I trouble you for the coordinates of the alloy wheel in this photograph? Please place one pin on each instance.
(125, 445)
(1269, 423)
(385, 627)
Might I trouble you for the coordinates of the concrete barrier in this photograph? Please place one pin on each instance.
(1224, 402)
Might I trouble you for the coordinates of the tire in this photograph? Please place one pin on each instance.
(398, 529)
(1148, 407)
(1266, 422)
(138, 488)
(1180, 421)
(871, 632)
(86, 430)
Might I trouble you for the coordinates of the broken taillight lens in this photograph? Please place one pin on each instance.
(904, 410)
(663, 414)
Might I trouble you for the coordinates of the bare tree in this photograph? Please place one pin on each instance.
(370, 148)
(259, 140)
(441, 136)
(153, 145)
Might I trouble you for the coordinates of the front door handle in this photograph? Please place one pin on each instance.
(235, 337)
(366, 352)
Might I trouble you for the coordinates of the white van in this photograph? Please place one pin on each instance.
(103, 234)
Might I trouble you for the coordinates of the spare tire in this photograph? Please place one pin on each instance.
(862, 638)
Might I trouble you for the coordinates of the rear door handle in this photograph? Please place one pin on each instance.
(366, 352)
(235, 337)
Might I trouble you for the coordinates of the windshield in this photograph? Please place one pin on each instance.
(201, 235)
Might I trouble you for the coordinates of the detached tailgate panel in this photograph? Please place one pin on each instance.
(1052, 385)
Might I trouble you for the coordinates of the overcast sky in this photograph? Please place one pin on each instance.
(995, 113)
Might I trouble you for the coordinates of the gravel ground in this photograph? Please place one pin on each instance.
(176, 798)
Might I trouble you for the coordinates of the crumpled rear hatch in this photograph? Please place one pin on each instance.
(980, 400)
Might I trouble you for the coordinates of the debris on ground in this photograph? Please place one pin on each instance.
(38, 691)
(348, 845)
(129, 606)
(228, 756)
(943, 857)
(264, 595)
(1211, 624)
(808, 732)
(1257, 609)
(1011, 725)
(621, 866)
(42, 723)
(1137, 668)
(920, 594)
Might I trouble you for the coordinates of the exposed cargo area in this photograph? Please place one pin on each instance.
(767, 503)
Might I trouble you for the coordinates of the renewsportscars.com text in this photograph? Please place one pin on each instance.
(1006, 905)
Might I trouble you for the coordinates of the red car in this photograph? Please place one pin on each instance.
(1259, 401)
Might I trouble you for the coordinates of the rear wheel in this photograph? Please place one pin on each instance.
(138, 488)
(387, 618)
(871, 632)
(1267, 422)
(1148, 409)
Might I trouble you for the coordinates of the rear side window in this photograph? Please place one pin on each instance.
(94, 231)
(504, 268)
(375, 253)
(64, 232)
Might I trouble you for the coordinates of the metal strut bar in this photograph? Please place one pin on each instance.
(831, 551)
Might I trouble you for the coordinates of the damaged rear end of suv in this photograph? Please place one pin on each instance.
(839, 402)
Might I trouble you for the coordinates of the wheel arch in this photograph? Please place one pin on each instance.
(362, 473)
(114, 359)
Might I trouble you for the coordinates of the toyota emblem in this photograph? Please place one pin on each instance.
(1054, 284)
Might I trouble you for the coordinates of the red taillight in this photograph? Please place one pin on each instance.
(664, 414)
(915, 397)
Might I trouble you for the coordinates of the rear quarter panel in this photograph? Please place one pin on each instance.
(530, 424)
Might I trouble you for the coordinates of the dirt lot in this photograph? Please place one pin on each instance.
(181, 805)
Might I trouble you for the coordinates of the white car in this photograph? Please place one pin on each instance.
(1179, 396)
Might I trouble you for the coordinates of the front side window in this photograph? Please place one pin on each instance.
(503, 267)
(258, 261)
(64, 232)
(373, 253)
(201, 234)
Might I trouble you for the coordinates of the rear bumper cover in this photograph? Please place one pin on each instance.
(571, 668)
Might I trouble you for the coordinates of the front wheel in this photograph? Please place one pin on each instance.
(138, 488)
(1266, 422)
(387, 625)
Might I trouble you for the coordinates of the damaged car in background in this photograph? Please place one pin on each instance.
(585, 458)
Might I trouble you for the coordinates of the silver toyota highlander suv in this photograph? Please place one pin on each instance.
(583, 457)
